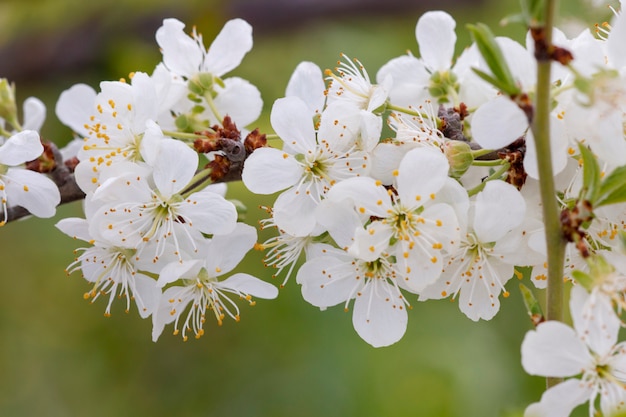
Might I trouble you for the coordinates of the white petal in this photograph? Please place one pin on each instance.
(616, 47)
(20, 148)
(558, 149)
(145, 102)
(422, 173)
(379, 316)
(229, 47)
(146, 295)
(410, 80)
(554, 350)
(151, 142)
(34, 114)
(386, 159)
(208, 212)
(292, 122)
(339, 126)
(371, 242)
(248, 284)
(499, 209)
(181, 54)
(327, 281)
(129, 187)
(339, 219)
(371, 127)
(75, 228)
(161, 314)
(307, 83)
(456, 196)
(497, 123)
(176, 270)
(240, 100)
(174, 166)
(594, 319)
(269, 170)
(294, 212)
(33, 191)
(436, 38)
(367, 196)
(74, 107)
(478, 299)
(227, 250)
(520, 61)
(561, 399)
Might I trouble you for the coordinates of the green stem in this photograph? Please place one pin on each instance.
(488, 163)
(481, 152)
(209, 99)
(555, 242)
(199, 182)
(408, 111)
(183, 135)
(494, 176)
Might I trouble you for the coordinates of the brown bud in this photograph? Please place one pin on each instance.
(219, 167)
(255, 140)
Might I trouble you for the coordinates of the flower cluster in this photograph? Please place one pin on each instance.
(426, 208)
(419, 183)
(158, 235)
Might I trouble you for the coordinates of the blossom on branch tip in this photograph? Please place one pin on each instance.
(20, 186)
(556, 350)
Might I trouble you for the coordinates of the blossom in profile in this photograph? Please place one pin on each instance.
(114, 271)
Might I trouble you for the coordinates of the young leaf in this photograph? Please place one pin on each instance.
(533, 11)
(490, 50)
(532, 305)
(591, 175)
(613, 188)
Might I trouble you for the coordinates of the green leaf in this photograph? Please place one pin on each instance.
(533, 11)
(491, 52)
(532, 305)
(489, 78)
(583, 279)
(613, 188)
(591, 175)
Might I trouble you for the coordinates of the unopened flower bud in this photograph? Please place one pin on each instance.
(203, 82)
(459, 156)
(8, 108)
(441, 83)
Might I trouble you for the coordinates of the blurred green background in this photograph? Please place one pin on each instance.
(60, 357)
